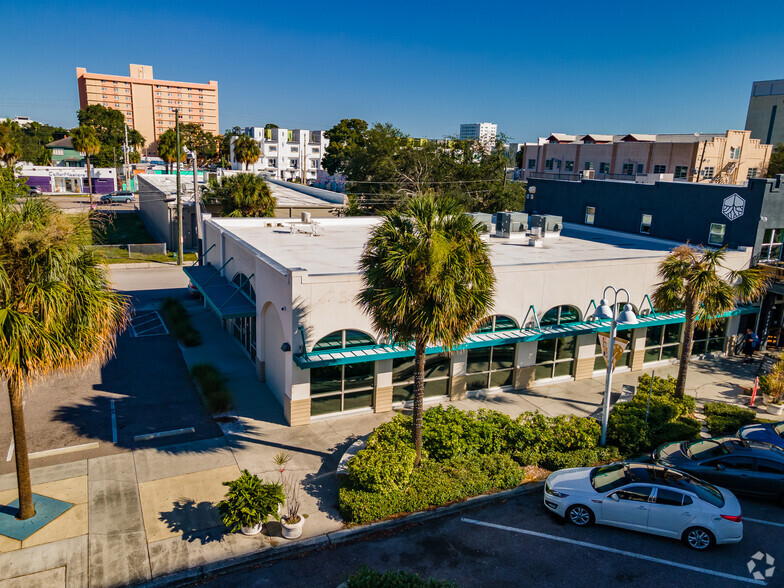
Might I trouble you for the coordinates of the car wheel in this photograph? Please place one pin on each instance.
(128, 200)
(579, 515)
(698, 538)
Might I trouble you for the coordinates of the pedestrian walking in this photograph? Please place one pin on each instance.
(750, 344)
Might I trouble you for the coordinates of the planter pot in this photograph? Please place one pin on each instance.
(292, 530)
(766, 397)
(774, 408)
(254, 530)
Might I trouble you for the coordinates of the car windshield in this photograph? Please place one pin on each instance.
(609, 477)
(779, 430)
(705, 449)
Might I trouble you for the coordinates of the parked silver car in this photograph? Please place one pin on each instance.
(646, 498)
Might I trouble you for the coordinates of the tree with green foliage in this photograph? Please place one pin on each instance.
(85, 140)
(697, 281)
(10, 150)
(246, 150)
(427, 279)
(10, 185)
(205, 144)
(167, 148)
(776, 165)
(58, 310)
(241, 195)
(224, 142)
(271, 126)
(345, 140)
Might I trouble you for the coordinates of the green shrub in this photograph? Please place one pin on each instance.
(365, 577)
(180, 322)
(573, 433)
(213, 386)
(664, 388)
(432, 484)
(382, 466)
(726, 419)
(250, 501)
(682, 429)
(558, 460)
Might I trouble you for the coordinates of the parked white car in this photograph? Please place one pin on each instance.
(648, 498)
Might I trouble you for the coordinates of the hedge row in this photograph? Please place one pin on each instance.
(726, 419)
(180, 322)
(365, 577)
(432, 484)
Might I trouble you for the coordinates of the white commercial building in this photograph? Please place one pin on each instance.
(286, 154)
(485, 133)
(287, 291)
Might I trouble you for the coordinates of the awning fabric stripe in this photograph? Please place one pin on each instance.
(379, 352)
(220, 293)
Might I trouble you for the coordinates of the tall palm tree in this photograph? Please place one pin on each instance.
(10, 151)
(167, 148)
(85, 140)
(246, 150)
(427, 279)
(57, 309)
(697, 281)
(241, 195)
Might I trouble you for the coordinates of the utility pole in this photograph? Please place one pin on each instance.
(126, 168)
(197, 202)
(179, 193)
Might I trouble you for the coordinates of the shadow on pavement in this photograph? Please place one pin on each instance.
(185, 516)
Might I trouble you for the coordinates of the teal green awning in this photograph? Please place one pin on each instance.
(223, 296)
(379, 352)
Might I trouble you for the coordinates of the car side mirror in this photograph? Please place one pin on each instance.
(720, 467)
(614, 496)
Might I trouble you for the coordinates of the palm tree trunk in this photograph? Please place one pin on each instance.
(419, 398)
(688, 339)
(26, 508)
(89, 182)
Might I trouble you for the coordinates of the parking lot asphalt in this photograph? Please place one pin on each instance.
(519, 543)
(143, 390)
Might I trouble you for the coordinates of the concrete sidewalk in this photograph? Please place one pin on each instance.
(141, 515)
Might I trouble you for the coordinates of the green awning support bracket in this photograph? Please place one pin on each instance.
(588, 313)
(536, 319)
(239, 289)
(220, 269)
(650, 304)
(301, 330)
(202, 255)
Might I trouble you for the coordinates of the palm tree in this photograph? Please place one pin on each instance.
(697, 281)
(427, 279)
(241, 195)
(246, 150)
(167, 148)
(85, 140)
(57, 308)
(10, 151)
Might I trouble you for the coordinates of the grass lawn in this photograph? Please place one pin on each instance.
(121, 228)
(119, 254)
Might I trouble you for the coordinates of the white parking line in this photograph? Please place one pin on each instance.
(10, 451)
(60, 450)
(761, 522)
(617, 551)
(114, 423)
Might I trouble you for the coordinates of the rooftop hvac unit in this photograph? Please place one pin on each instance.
(508, 224)
(588, 174)
(486, 221)
(304, 216)
(549, 224)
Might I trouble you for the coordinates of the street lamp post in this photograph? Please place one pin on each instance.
(627, 317)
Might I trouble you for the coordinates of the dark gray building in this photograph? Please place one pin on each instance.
(715, 215)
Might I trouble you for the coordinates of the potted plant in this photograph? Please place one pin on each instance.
(772, 387)
(250, 503)
(292, 521)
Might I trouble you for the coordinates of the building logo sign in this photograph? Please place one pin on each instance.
(733, 206)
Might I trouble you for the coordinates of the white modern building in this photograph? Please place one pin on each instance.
(485, 133)
(286, 154)
(296, 317)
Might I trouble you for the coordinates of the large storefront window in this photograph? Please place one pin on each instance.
(709, 340)
(244, 328)
(555, 358)
(662, 342)
(436, 377)
(338, 388)
(771, 244)
(492, 367)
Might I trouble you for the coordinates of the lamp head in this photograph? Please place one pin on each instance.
(603, 311)
(627, 317)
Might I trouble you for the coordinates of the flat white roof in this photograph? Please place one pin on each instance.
(338, 248)
(289, 197)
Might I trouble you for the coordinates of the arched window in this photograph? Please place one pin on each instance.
(560, 315)
(498, 322)
(244, 328)
(243, 283)
(338, 388)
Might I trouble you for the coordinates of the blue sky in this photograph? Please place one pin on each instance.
(531, 67)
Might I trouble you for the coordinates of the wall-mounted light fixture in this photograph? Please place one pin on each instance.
(285, 347)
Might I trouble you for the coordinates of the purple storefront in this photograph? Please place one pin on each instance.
(69, 180)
